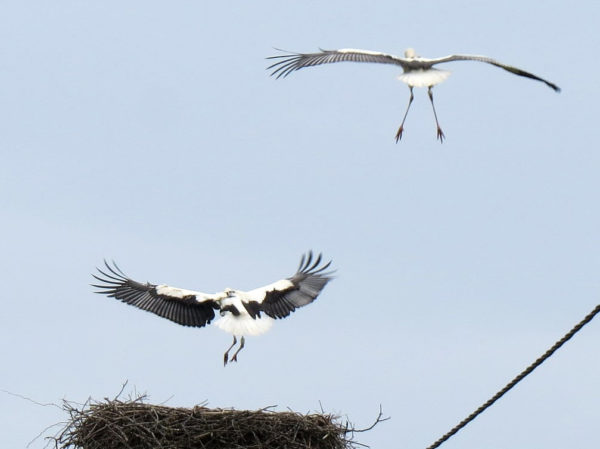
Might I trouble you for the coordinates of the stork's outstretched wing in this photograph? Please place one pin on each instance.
(491, 61)
(295, 61)
(281, 298)
(185, 307)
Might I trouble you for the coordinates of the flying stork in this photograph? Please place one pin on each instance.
(418, 71)
(241, 312)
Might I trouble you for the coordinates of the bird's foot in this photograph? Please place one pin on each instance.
(234, 358)
(440, 135)
(225, 359)
(399, 133)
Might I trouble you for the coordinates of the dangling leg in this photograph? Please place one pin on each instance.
(399, 133)
(440, 134)
(242, 341)
(226, 355)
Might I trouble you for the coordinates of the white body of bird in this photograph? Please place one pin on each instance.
(424, 77)
(243, 323)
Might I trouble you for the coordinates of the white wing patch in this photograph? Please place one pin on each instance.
(424, 78)
(180, 293)
(258, 294)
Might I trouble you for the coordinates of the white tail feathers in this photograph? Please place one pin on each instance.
(424, 78)
(244, 325)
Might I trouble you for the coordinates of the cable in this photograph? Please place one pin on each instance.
(517, 379)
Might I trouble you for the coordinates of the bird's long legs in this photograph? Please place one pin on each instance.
(226, 355)
(242, 341)
(401, 129)
(440, 134)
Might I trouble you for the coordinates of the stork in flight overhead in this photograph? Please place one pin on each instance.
(418, 71)
(241, 312)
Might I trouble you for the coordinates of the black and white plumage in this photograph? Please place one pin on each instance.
(242, 313)
(418, 71)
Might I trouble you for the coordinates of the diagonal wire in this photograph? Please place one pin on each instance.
(517, 379)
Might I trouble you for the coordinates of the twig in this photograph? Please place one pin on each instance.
(377, 421)
(47, 404)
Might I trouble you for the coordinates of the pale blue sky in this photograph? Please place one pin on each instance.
(150, 133)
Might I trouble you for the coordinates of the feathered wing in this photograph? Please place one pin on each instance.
(491, 61)
(185, 307)
(291, 62)
(281, 298)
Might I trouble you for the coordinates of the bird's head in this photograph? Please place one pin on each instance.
(410, 53)
(229, 292)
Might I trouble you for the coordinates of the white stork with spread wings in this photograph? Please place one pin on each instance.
(418, 71)
(241, 312)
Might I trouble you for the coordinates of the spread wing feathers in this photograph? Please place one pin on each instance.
(290, 62)
(491, 61)
(281, 298)
(184, 307)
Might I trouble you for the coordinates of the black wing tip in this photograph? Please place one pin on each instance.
(282, 68)
(114, 272)
(286, 53)
(288, 62)
(310, 265)
(109, 278)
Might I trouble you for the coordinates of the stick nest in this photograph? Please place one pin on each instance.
(133, 424)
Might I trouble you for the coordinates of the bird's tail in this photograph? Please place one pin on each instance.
(424, 78)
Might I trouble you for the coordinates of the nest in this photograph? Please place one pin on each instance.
(133, 424)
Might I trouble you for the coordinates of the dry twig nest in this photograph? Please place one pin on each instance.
(134, 424)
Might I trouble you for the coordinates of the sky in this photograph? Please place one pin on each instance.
(150, 133)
